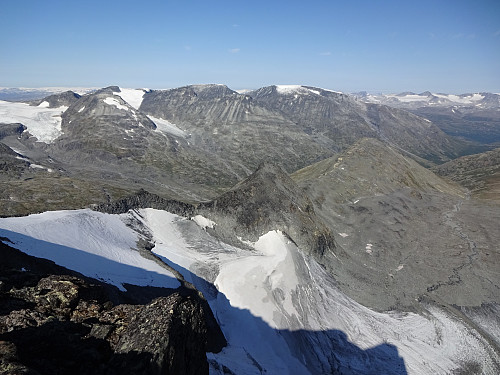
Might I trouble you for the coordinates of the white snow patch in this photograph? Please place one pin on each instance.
(44, 104)
(295, 89)
(343, 235)
(95, 244)
(288, 89)
(81, 109)
(37, 166)
(43, 123)
(410, 98)
(167, 127)
(462, 99)
(134, 97)
(242, 280)
(203, 222)
(116, 103)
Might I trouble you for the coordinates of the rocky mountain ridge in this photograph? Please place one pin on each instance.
(53, 320)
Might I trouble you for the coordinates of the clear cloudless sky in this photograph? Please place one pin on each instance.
(387, 46)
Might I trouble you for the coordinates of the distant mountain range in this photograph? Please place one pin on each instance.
(410, 100)
(474, 117)
(326, 232)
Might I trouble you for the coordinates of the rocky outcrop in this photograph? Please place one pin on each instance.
(11, 129)
(145, 199)
(269, 200)
(66, 99)
(64, 323)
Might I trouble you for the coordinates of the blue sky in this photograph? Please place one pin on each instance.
(377, 46)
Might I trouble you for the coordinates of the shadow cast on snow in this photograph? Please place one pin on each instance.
(317, 352)
(321, 352)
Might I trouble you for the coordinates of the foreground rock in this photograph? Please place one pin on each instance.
(61, 324)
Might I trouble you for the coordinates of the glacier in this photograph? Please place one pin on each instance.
(280, 311)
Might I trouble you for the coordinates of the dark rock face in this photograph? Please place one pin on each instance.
(66, 98)
(144, 199)
(269, 200)
(11, 129)
(62, 324)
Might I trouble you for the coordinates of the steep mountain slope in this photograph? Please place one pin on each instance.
(396, 222)
(479, 173)
(268, 200)
(338, 120)
(235, 127)
(193, 142)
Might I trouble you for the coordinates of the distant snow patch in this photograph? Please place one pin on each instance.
(298, 89)
(203, 222)
(134, 97)
(368, 248)
(343, 235)
(43, 123)
(116, 103)
(287, 89)
(44, 104)
(295, 89)
(166, 126)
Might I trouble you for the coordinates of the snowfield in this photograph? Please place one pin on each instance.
(279, 310)
(133, 97)
(94, 244)
(42, 122)
(167, 127)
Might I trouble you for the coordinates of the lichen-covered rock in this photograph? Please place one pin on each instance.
(168, 331)
(62, 324)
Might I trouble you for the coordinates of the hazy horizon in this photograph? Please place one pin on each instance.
(387, 47)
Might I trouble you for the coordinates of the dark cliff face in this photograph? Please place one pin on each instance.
(53, 321)
(265, 201)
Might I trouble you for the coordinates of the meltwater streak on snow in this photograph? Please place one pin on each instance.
(42, 122)
(133, 97)
(95, 244)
